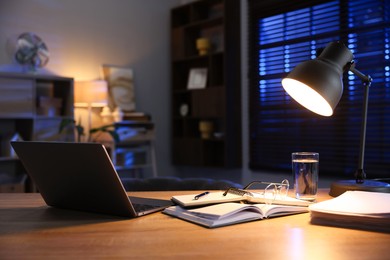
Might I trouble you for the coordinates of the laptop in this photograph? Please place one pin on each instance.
(81, 176)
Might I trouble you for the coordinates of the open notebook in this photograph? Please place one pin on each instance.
(231, 213)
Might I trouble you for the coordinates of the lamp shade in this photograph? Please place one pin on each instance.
(91, 93)
(317, 84)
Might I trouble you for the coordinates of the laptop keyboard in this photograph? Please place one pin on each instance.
(144, 207)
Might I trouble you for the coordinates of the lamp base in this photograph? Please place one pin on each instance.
(339, 187)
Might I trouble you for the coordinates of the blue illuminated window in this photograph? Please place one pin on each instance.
(283, 34)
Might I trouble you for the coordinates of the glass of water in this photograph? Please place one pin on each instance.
(305, 166)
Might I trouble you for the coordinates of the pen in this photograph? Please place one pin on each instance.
(201, 195)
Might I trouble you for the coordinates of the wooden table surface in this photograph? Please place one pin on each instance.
(30, 229)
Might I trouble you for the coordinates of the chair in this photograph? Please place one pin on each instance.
(175, 183)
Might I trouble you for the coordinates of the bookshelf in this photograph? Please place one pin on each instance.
(31, 109)
(212, 98)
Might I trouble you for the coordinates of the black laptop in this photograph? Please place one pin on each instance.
(81, 176)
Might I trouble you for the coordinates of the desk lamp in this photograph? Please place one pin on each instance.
(317, 85)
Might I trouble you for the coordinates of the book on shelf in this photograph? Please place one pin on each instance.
(354, 209)
(230, 213)
(221, 197)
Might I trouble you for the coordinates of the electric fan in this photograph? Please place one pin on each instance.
(31, 51)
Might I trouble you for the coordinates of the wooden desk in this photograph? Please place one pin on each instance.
(29, 229)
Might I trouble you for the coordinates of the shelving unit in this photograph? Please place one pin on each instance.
(135, 153)
(219, 101)
(32, 107)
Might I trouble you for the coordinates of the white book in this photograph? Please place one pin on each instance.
(354, 209)
(231, 213)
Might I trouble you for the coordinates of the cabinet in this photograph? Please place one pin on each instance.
(32, 107)
(215, 104)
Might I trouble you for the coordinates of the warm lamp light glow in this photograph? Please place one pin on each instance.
(307, 97)
(90, 93)
(89, 96)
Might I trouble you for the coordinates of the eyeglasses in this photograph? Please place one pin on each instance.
(272, 191)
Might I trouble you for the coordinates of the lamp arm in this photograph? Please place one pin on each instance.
(366, 79)
(360, 175)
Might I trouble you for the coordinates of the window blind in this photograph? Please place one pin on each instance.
(284, 33)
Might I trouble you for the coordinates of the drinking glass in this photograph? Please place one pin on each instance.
(305, 166)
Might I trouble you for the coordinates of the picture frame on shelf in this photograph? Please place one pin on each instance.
(121, 89)
(197, 78)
